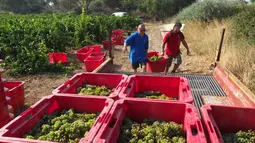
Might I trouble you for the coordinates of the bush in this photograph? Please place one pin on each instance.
(163, 8)
(95, 5)
(128, 5)
(26, 40)
(208, 10)
(244, 25)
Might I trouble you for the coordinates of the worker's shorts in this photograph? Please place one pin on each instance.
(137, 64)
(175, 60)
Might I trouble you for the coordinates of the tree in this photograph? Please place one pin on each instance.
(128, 5)
(23, 6)
(163, 8)
(72, 5)
(112, 3)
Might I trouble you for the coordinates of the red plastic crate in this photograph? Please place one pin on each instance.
(2, 94)
(99, 79)
(170, 86)
(106, 44)
(118, 40)
(91, 63)
(83, 53)
(98, 54)
(118, 36)
(226, 119)
(138, 110)
(55, 58)
(118, 32)
(1, 86)
(15, 130)
(16, 93)
(4, 113)
(156, 66)
(6, 121)
(95, 48)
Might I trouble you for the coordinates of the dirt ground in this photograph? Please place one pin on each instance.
(191, 64)
(39, 86)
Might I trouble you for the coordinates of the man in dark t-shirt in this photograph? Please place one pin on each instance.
(172, 42)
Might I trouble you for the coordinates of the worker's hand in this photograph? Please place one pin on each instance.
(188, 53)
(124, 50)
(162, 54)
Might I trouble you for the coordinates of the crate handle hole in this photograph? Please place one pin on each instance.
(210, 126)
(29, 116)
(194, 131)
(189, 110)
(112, 123)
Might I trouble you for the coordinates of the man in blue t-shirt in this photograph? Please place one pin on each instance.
(139, 44)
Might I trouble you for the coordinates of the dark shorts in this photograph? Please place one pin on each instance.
(136, 65)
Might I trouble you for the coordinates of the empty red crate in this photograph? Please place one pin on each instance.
(156, 66)
(4, 113)
(2, 96)
(106, 44)
(98, 54)
(118, 36)
(1, 87)
(55, 58)
(138, 110)
(118, 32)
(16, 94)
(6, 121)
(83, 53)
(99, 79)
(118, 40)
(226, 119)
(91, 63)
(170, 86)
(96, 48)
(15, 130)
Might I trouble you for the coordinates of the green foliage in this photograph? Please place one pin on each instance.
(240, 137)
(128, 5)
(154, 95)
(87, 89)
(65, 127)
(111, 3)
(163, 8)
(150, 131)
(243, 25)
(95, 5)
(23, 6)
(208, 10)
(26, 40)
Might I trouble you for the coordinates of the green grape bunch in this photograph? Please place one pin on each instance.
(64, 127)
(88, 89)
(154, 95)
(155, 58)
(240, 137)
(151, 131)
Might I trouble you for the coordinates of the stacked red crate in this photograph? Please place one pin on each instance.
(11, 98)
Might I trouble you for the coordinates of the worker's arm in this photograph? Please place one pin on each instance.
(163, 48)
(147, 45)
(128, 42)
(165, 40)
(186, 46)
(125, 47)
